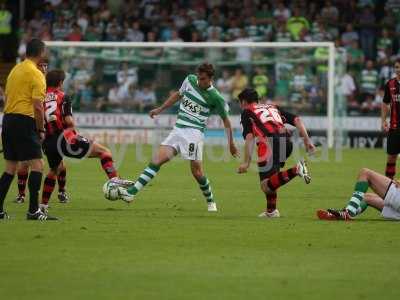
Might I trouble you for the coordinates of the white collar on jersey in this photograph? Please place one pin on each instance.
(209, 88)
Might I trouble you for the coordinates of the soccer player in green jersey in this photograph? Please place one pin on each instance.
(198, 99)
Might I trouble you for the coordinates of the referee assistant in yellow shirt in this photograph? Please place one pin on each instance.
(23, 126)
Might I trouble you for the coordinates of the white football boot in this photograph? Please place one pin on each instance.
(125, 195)
(273, 214)
(212, 206)
(44, 208)
(121, 182)
(303, 172)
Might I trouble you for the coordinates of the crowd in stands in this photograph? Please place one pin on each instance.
(367, 30)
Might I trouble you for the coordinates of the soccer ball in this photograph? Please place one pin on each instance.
(111, 191)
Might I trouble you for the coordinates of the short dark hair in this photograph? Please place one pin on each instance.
(248, 95)
(34, 48)
(206, 68)
(55, 77)
(397, 61)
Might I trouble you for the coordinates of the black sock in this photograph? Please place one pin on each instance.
(34, 183)
(5, 182)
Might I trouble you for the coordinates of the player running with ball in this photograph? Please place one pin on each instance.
(198, 99)
(62, 138)
(264, 124)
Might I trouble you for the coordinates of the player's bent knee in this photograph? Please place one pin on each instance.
(265, 188)
(37, 165)
(365, 171)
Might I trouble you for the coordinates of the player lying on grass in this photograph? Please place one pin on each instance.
(264, 124)
(198, 99)
(23, 167)
(386, 198)
(62, 138)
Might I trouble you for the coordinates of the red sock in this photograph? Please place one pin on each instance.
(62, 180)
(390, 170)
(271, 202)
(48, 187)
(281, 178)
(108, 165)
(22, 179)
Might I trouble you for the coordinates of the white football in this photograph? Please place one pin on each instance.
(111, 191)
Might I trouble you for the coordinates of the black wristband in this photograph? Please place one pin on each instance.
(41, 131)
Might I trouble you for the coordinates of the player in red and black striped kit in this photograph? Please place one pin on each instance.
(62, 138)
(265, 125)
(23, 168)
(391, 103)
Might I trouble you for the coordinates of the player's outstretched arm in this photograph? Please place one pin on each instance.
(168, 103)
(248, 150)
(229, 132)
(304, 134)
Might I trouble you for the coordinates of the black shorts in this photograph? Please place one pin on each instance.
(282, 148)
(20, 139)
(56, 147)
(393, 142)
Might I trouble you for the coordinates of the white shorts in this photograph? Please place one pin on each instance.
(186, 141)
(391, 208)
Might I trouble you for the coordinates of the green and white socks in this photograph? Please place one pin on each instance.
(147, 175)
(206, 189)
(357, 204)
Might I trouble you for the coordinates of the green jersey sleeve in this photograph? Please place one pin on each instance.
(220, 107)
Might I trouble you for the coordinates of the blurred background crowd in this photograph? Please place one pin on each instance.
(365, 31)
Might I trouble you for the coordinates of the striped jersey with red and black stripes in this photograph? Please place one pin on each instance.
(264, 120)
(392, 97)
(56, 107)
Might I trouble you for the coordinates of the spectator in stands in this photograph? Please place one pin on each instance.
(114, 101)
(320, 34)
(127, 75)
(347, 88)
(180, 19)
(61, 29)
(113, 30)
(239, 81)
(36, 24)
(330, 13)
(224, 85)
(45, 33)
(366, 22)
(76, 34)
(281, 13)
(216, 18)
(48, 14)
(349, 36)
(298, 86)
(233, 31)
(146, 98)
(260, 82)
(386, 72)
(134, 34)
(92, 34)
(257, 32)
(384, 45)
(282, 34)
(355, 57)
(263, 13)
(297, 24)
(83, 21)
(369, 82)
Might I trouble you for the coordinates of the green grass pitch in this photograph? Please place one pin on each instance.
(167, 246)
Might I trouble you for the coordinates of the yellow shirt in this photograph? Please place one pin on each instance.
(24, 83)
